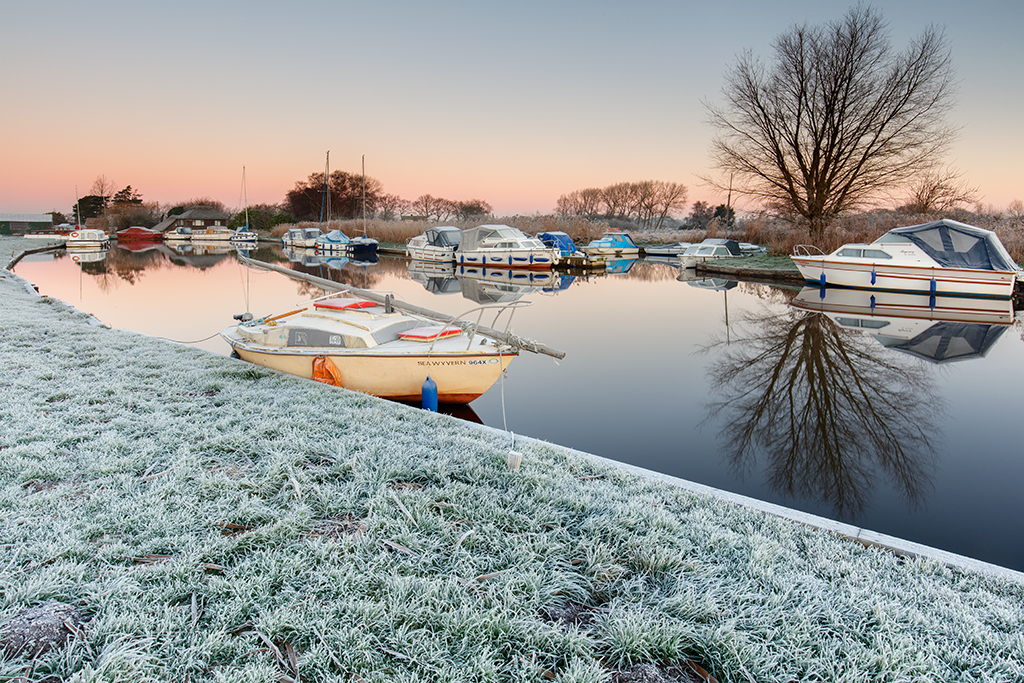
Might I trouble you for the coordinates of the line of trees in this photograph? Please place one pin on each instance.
(648, 203)
(344, 195)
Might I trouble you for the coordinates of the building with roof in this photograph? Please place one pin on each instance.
(196, 217)
(18, 223)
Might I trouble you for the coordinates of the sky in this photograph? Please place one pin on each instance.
(514, 103)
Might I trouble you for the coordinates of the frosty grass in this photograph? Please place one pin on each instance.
(215, 521)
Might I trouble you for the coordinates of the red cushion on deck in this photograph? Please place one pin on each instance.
(342, 304)
(426, 334)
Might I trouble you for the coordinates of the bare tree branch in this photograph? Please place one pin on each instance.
(837, 118)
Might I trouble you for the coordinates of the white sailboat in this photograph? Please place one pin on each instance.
(244, 237)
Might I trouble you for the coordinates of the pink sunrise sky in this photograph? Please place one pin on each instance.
(512, 103)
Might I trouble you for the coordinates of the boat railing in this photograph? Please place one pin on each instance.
(807, 250)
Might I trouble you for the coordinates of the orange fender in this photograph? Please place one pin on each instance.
(326, 371)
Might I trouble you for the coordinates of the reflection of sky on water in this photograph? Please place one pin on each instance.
(633, 385)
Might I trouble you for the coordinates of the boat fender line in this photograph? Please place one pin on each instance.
(428, 395)
(325, 371)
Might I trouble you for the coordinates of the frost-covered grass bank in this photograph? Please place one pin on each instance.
(201, 519)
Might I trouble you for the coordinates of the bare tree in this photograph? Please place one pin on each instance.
(391, 205)
(587, 202)
(434, 208)
(472, 208)
(1016, 210)
(670, 199)
(648, 202)
(837, 118)
(936, 191)
(103, 187)
(620, 200)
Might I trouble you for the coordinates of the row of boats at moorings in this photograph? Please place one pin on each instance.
(940, 257)
(380, 346)
(368, 342)
(508, 247)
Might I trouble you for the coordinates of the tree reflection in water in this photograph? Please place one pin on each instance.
(831, 410)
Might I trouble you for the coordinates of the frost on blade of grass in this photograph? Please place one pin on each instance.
(196, 508)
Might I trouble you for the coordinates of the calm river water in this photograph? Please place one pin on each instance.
(905, 426)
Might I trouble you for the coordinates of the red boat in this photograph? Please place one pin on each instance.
(139, 234)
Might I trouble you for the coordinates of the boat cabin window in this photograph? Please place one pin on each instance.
(849, 252)
(864, 323)
(721, 251)
(876, 253)
(310, 336)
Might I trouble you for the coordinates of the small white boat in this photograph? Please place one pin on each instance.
(244, 237)
(437, 245)
(612, 244)
(178, 234)
(502, 246)
(303, 238)
(373, 348)
(942, 257)
(334, 242)
(220, 234)
(709, 250)
(674, 249)
(87, 238)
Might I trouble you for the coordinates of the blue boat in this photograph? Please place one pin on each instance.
(613, 244)
(333, 242)
(559, 240)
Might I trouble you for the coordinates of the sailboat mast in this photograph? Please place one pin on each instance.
(364, 195)
(245, 198)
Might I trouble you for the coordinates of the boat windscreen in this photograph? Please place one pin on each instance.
(441, 237)
(958, 245)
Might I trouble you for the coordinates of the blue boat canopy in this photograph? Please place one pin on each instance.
(956, 245)
(558, 240)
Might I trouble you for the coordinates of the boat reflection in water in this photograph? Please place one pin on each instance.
(939, 329)
(436, 278)
(87, 254)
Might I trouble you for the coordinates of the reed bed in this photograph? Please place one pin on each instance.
(189, 517)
